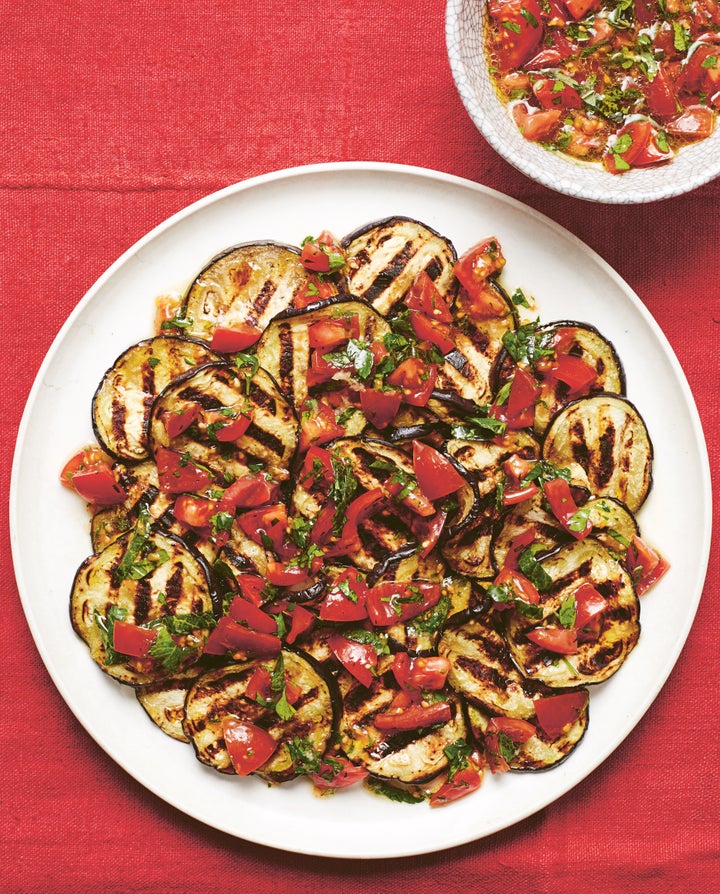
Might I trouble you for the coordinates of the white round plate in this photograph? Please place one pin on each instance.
(49, 526)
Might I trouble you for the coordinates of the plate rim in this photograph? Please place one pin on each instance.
(421, 173)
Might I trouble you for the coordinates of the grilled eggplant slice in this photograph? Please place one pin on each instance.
(482, 670)
(540, 752)
(164, 701)
(585, 561)
(249, 283)
(383, 259)
(121, 405)
(270, 439)
(580, 340)
(607, 437)
(411, 757)
(284, 349)
(222, 693)
(147, 578)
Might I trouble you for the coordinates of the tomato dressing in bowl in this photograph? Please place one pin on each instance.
(623, 83)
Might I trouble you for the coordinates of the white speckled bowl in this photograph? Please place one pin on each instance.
(695, 164)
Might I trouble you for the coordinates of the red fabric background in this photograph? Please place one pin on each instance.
(116, 115)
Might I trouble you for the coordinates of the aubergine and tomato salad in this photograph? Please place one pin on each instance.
(623, 82)
(352, 519)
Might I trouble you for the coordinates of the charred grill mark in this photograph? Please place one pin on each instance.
(193, 394)
(174, 587)
(148, 381)
(118, 417)
(383, 748)
(260, 302)
(578, 445)
(287, 359)
(263, 399)
(435, 268)
(143, 601)
(605, 465)
(266, 439)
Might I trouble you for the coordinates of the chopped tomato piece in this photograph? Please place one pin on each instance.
(322, 255)
(391, 601)
(423, 296)
(436, 475)
(564, 508)
(589, 606)
(225, 425)
(247, 492)
(519, 411)
(519, 30)
(574, 372)
(302, 622)
(195, 512)
(359, 659)
(645, 564)
(318, 425)
(178, 421)
(237, 337)
(326, 335)
(661, 95)
(380, 407)
(462, 783)
(554, 94)
(346, 598)
(245, 612)
(434, 331)
(178, 472)
(229, 636)
(556, 712)
(428, 531)
(97, 485)
(554, 639)
(248, 745)
(696, 122)
(286, 575)
(478, 264)
(578, 9)
(268, 524)
(317, 289)
(317, 469)
(429, 672)
(536, 124)
(516, 729)
(129, 639)
(518, 546)
(252, 587)
(522, 587)
(636, 145)
(416, 379)
(337, 772)
(413, 717)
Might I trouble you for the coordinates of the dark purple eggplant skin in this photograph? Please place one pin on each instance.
(96, 432)
(290, 313)
(389, 221)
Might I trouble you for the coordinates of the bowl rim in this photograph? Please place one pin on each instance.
(582, 180)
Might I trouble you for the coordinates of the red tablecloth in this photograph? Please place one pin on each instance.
(116, 115)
